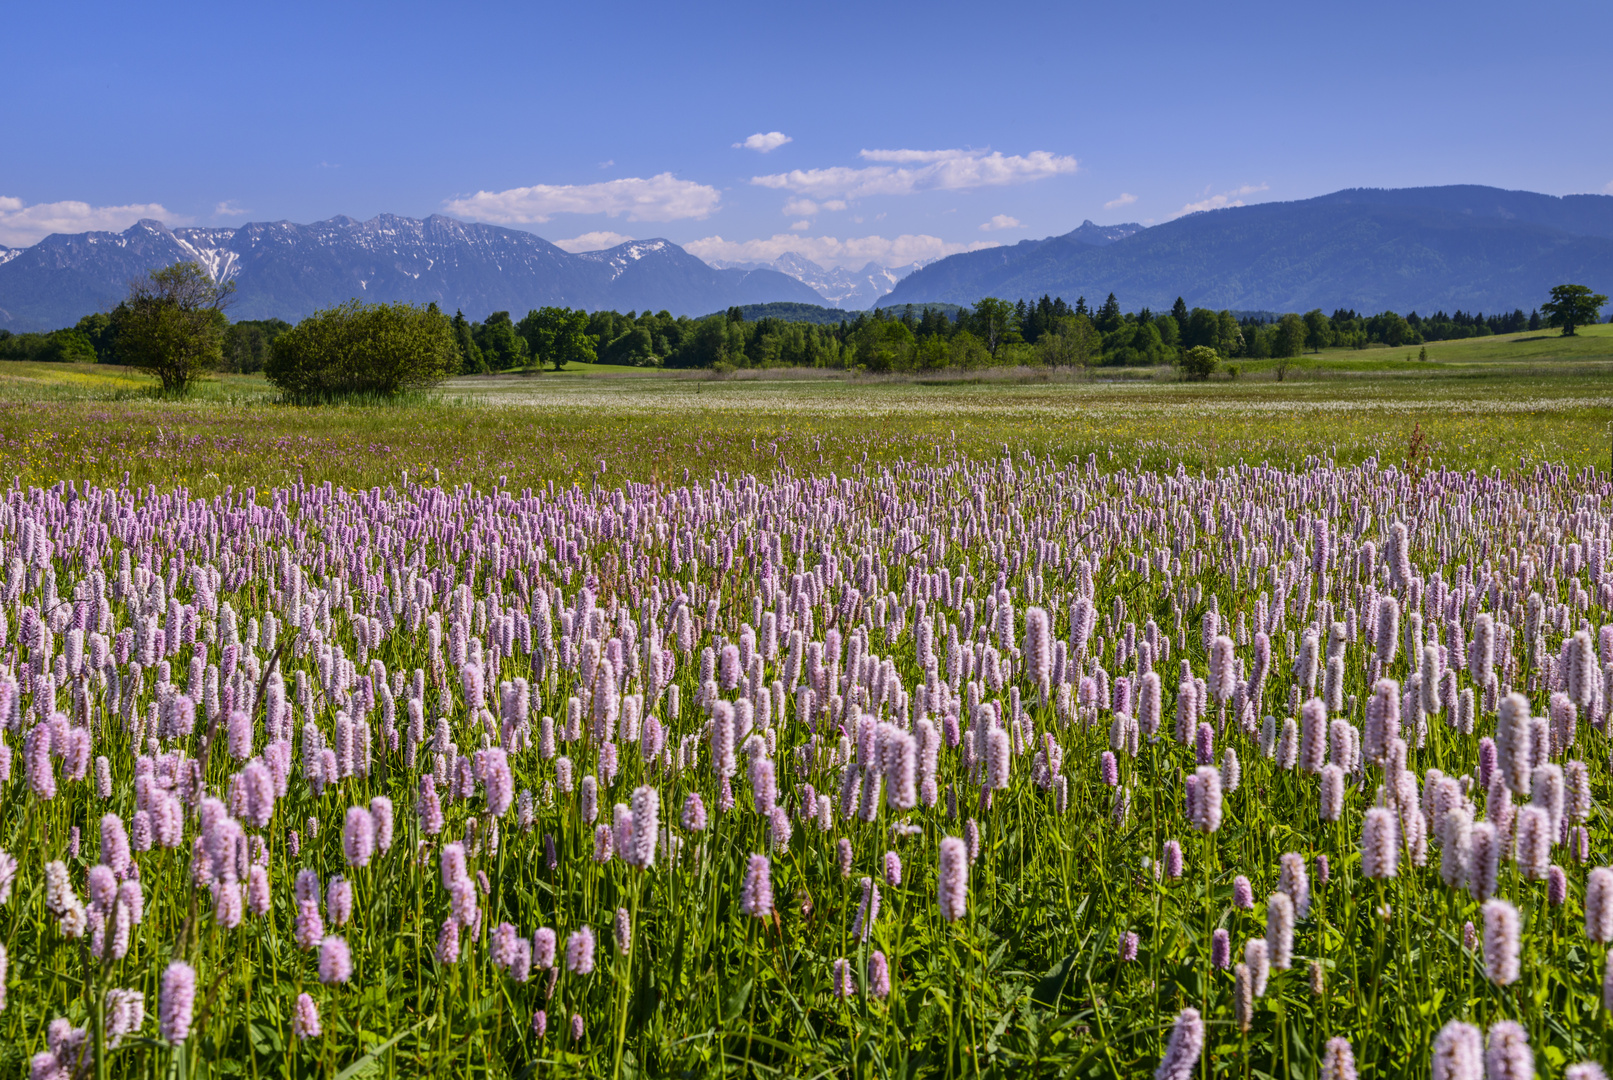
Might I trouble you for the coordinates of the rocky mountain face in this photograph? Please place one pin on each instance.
(285, 270)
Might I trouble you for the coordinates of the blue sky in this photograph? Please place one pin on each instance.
(889, 132)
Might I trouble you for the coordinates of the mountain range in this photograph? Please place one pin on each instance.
(283, 270)
(1424, 249)
(1467, 247)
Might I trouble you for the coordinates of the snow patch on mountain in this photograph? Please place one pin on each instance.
(841, 287)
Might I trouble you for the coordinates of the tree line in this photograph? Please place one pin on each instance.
(994, 332)
(173, 324)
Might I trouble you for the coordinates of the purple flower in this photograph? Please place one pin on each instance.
(1599, 905)
(339, 900)
(258, 900)
(1280, 930)
(756, 889)
(1221, 949)
(176, 1001)
(498, 785)
(1183, 1050)
(952, 878)
(114, 843)
(1128, 946)
(580, 951)
(1173, 860)
(844, 985)
(1507, 1055)
(381, 815)
(1458, 1053)
(448, 942)
(335, 961)
(1296, 883)
(1501, 930)
(646, 825)
(694, 813)
(543, 947)
(358, 836)
(305, 1020)
(1556, 885)
(310, 927)
(1380, 844)
(879, 975)
(1338, 1060)
(1243, 894)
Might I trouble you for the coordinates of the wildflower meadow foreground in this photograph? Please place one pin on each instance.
(954, 769)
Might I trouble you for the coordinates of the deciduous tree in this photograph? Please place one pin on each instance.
(172, 325)
(1572, 306)
(364, 348)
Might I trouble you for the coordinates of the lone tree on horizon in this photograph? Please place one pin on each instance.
(1572, 306)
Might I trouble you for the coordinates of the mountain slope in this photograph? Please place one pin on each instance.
(841, 287)
(1419, 249)
(285, 270)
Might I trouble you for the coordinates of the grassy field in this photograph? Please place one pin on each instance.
(1494, 402)
(1096, 822)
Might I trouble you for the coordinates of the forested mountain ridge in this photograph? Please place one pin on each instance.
(1369, 249)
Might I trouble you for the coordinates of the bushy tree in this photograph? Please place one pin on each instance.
(1074, 343)
(97, 327)
(68, 347)
(1290, 337)
(557, 336)
(995, 322)
(172, 325)
(502, 348)
(364, 348)
(470, 354)
(1200, 362)
(1572, 306)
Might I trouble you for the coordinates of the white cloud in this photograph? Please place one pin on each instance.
(662, 197)
(801, 226)
(764, 142)
(22, 225)
(793, 207)
(1217, 202)
(1000, 221)
(903, 172)
(827, 251)
(230, 208)
(1126, 199)
(1609, 187)
(592, 241)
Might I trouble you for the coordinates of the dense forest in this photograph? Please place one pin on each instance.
(1048, 332)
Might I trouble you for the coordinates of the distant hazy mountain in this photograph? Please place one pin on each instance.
(285, 270)
(1423, 249)
(851, 290)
